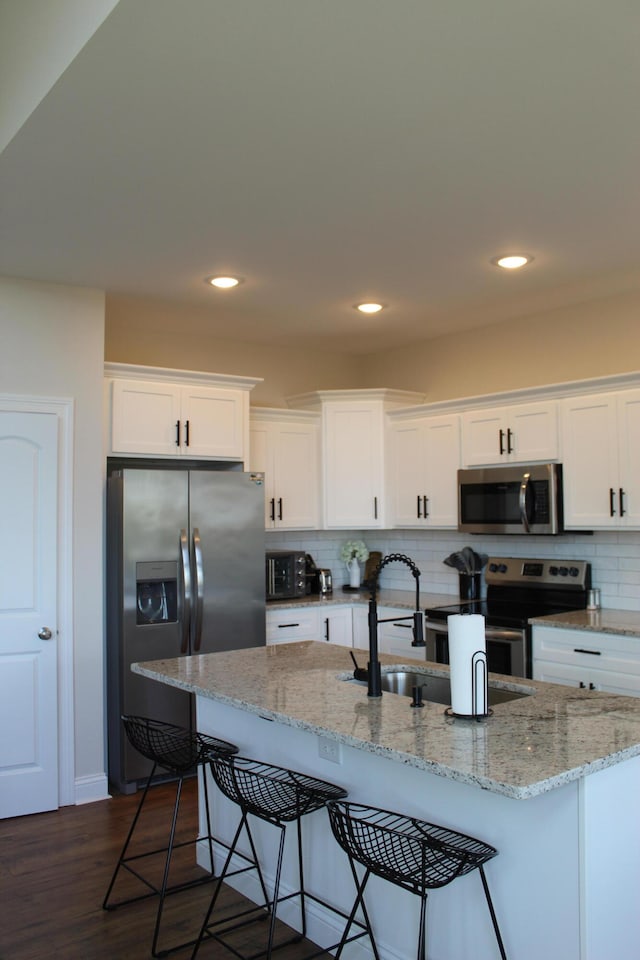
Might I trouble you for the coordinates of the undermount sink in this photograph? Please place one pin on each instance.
(437, 689)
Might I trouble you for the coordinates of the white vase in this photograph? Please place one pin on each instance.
(353, 566)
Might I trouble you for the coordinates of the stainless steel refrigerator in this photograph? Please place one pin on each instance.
(185, 575)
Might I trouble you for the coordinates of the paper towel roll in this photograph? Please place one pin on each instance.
(468, 664)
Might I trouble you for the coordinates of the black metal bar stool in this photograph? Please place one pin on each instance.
(277, 796)
(178, 751)
(410, 853)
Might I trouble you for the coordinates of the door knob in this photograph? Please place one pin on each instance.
(45, 633)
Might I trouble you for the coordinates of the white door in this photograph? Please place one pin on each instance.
(28, 613)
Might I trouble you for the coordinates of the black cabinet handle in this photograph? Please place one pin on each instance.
(326, 629)
(621, 494)
(272, 511)
(501, 437)
(594, 653)
(582, 685)
(177, 433)
(418, 514)
(375, 508)
(592, 686)
(186, 433)
(425, 501)
(279, 508)
(612, 502)
(509, 438)
(281, 626)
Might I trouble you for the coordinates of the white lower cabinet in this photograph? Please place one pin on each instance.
(590, 660)
(331, 623)
(292, 624)
(336, 626)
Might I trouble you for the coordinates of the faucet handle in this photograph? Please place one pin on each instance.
(417, 696)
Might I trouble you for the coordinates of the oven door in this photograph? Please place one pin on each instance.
(506, 648)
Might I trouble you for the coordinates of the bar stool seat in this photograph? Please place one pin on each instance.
(277, 796)
(178, 751)
(410, 853)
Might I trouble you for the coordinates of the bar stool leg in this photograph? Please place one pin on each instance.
(422, 934)
(165, 875)
(276, 891)
(105, 902)
(494, 919)
(358, 902)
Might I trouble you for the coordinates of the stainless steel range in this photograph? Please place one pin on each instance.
(517, 590)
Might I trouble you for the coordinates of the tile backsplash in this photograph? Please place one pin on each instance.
(614, 557)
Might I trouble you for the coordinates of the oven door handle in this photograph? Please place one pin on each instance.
(491, 633)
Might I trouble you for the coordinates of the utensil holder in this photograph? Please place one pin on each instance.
(470, 585)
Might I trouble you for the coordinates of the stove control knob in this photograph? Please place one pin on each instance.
(563, 571)
(573, 571)
(553, 571)
(493, 567)
(502, 568)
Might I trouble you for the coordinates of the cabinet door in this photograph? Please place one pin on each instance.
(145, 418)
(261, 461)
(407, 473)
(606, 681)
(295, 484)
(589, 461)
(534, 432)
(629, 457)
(483, 437)
(336, 627)
(441, 439)
(360, 617)
(523, 433)
(213, 422)
(287, 454)
(354, 470)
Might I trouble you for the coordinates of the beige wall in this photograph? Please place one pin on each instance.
(588, 340)
(593, 339)
(166, 335)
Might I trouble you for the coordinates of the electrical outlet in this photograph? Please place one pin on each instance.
(329, 750)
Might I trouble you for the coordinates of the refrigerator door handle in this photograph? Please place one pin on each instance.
(199, 588)
(185, 567)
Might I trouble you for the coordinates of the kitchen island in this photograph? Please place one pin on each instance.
(551, 779)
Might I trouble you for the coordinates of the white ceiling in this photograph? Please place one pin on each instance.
(331, 151)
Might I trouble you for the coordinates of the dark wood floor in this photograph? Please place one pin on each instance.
(55, 869)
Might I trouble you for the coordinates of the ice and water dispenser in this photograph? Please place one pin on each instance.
(156, 592)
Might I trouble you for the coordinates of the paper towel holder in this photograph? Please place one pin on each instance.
(478, 676)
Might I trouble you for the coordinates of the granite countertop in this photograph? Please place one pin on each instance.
(403, 599)
(527, 747)
(622, 622)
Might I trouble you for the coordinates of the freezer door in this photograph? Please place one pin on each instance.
(228, 556)
(154, 509)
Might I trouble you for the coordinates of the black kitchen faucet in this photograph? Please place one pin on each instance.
(374, 681)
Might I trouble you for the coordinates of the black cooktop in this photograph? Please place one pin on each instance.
(504, 613)
(519, 589)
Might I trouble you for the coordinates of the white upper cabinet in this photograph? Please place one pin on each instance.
(601, 460)
(167, 413)
(285, 447)
(423, 462)
(522, 433)
(353, 453)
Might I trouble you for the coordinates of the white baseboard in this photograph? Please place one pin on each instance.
(90, 789)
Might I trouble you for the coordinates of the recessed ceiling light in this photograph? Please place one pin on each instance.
(512, 261)
(369, 307)
(223, 283)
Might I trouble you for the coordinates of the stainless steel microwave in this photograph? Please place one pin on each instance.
(511, 499)
(285, 575)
